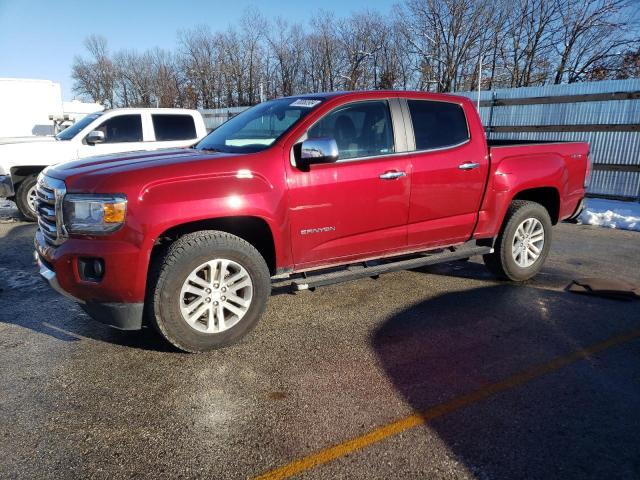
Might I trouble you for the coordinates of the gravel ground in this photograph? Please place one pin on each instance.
(78, 399)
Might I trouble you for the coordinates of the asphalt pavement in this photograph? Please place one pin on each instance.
(441, 372)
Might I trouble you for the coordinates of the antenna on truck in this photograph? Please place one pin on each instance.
(479, 80)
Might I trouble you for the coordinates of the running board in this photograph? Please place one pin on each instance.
(310, 281)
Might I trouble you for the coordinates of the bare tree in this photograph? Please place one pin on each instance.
(591, 32)
(445, 34)
(361, 37)
(423, 44)
(531, 28)
(252, 28)
(168, 85)
(95, 77)
(323, 50)
(287, 45)
(135, 78)
(199, 57)
(241, 60)
(630, 65)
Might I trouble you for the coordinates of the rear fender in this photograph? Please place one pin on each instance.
(514, 175)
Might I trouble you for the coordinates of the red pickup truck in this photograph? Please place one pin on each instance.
(305, 190)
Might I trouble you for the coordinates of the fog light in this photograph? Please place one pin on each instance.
(91, 269)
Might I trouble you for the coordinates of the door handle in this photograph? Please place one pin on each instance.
(468, 165)
(392, 175)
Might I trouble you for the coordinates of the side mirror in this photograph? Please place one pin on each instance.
(96, 136)
(318, 150)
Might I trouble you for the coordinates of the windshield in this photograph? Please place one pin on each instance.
(70, 132)
(259, 127)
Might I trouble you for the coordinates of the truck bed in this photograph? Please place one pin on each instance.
(562, 166)
(508, 142)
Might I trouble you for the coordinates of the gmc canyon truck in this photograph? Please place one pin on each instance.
(303, 191)
(113, 131)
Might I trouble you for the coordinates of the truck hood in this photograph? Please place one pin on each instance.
(36, 153)
(125, 162)
(28, 139)
(107, 172)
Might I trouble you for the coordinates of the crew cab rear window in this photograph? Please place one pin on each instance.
(173, 127)
(123, 128)
(437, 124)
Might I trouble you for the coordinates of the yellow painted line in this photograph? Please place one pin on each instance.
(331, 453)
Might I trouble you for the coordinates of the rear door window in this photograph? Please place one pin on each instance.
(173, 127)
(437, 124)
(121, 129)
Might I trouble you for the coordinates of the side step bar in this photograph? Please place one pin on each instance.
(375, 268)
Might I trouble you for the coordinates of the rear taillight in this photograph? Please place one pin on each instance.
(587, 174)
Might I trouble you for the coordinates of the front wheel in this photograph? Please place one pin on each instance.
(523, 242)
(26, 197)
(212, 288)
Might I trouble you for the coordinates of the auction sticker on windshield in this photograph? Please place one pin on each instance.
(305, 103)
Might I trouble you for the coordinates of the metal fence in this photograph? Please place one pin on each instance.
(214, 117)
(605, 114)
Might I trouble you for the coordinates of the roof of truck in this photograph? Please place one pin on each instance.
(378, 93)
(152, 110)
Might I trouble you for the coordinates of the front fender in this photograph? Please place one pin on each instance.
(164, 205)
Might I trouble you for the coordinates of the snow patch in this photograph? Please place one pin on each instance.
(21, 279)
(6, 205)
(8, 211)
(612, 214)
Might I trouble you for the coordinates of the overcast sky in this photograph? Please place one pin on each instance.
(39, 38)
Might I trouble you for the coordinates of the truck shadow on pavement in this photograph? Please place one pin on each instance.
(65, 321)
(549, 277)
(26, 300)
(579, 421)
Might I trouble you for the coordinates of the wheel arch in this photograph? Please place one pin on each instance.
(18, 174)
(254, 230)
(548, 197)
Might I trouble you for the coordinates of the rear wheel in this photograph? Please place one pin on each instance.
(26, 197)
(211, 290)
(523, 242)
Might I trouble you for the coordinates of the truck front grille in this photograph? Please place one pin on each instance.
(50, 193)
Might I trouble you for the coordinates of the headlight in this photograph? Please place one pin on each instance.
(94, 214)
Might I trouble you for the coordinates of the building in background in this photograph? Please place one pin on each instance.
(32, 108)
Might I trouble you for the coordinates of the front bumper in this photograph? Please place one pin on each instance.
(6, 186)
(124, 279)
(121, 315)
(51, 278)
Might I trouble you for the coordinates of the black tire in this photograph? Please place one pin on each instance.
(22, 197)
(173, 268)
(502, 263)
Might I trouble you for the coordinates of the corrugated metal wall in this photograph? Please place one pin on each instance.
(214, 117)
(607, 147)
